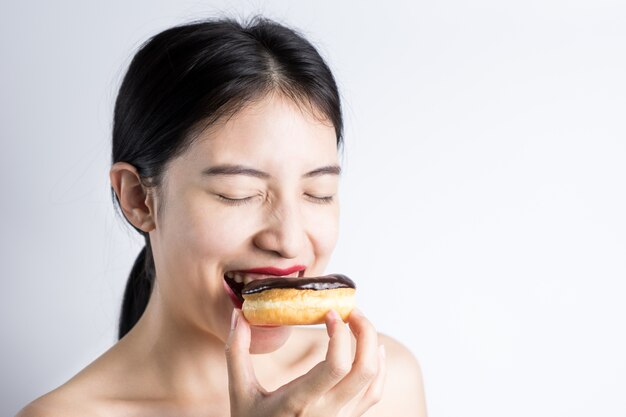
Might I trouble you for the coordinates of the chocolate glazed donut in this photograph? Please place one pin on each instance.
(294, 301)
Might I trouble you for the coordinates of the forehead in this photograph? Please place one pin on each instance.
(273, 129)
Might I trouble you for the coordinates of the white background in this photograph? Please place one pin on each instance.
(483, 206)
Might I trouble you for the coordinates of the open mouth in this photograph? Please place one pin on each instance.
(234, 286)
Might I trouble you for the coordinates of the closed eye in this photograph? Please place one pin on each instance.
(321, 199)
(234, 201)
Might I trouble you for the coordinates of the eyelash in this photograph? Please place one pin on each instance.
(235, 201)
(321, 200)
(246, 200)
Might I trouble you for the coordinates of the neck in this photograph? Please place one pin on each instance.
(184, 364)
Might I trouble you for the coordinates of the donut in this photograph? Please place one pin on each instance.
(297, 301)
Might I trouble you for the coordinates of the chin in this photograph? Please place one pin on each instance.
(268, 339)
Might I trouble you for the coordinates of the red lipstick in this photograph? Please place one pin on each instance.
(270, 270)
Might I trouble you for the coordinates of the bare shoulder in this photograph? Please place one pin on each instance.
(58, 403)
(83, 395)
(401, 361)
(404, 388)
(403, 394)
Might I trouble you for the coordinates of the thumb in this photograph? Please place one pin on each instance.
(241, 378)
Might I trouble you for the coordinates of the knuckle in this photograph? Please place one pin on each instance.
(367, 372)
(294, 405)
(376, 395)
(339, 370)
(228, 350)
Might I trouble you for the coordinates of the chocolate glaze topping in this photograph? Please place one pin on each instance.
(326, 282)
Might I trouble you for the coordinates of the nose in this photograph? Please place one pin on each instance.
(283, 232)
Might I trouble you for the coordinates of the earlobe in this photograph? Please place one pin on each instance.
(135, 200)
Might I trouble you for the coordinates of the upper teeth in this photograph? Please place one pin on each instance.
(245, 278)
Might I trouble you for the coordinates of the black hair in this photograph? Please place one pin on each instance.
(189, 77)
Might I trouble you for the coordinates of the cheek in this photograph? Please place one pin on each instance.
(197, 230)
(212, 232)
(323, 232)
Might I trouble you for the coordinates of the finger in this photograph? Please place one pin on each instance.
(326, 374)
(374, 392)
(366, 360)
(241, 377)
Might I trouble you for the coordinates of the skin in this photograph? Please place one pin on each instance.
(192, 353)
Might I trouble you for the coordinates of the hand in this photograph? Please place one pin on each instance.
(333, 387)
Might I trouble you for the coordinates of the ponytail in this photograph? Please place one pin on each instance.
(138, 289)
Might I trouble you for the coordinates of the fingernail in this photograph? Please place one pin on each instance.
(234, 319)
(381, 349)
(356, 311)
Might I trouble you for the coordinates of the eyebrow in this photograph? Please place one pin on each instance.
(327, 170)
(219, 170)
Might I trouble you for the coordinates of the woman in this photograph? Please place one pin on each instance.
(225, 144)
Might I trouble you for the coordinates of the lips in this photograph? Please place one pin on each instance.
(236, 280)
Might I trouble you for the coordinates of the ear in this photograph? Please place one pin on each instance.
(135, 200)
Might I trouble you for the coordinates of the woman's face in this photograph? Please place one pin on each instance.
(259, 191)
